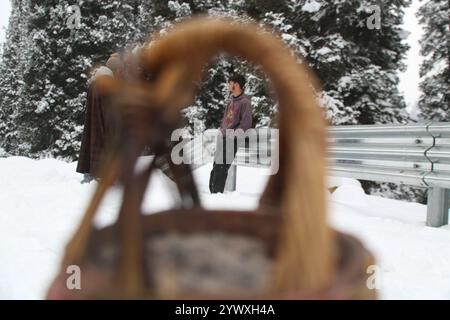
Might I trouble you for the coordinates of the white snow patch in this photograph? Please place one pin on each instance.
(43, 201)
(311, 6)
(324, 51)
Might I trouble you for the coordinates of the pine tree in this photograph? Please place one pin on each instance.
(57, 66)
(358, 66)
(12, 69)
(434, 103)
(207, 110)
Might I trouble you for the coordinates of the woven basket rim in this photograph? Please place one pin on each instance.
(352, 256)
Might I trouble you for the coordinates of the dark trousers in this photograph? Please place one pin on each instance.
(219, 173)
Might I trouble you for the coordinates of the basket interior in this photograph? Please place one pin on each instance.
(198, 252)
(207, 263)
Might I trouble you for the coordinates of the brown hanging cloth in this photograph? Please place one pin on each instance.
(283, 250)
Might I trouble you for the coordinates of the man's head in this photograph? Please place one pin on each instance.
(236, 84)
(115, 64)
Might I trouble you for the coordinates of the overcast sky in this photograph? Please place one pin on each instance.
(408, 80)
(5, 9)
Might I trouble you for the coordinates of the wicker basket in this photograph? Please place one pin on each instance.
(283, 250)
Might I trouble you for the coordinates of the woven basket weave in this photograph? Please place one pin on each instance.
(190, 252)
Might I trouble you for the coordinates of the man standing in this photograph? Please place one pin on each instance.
(97, 126)
(238, 115)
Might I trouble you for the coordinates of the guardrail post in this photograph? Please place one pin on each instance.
(230, 185)
(437, 209)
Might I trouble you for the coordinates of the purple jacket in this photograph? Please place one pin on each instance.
(238, 114)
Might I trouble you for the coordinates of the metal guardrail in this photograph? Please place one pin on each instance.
(414, 154)
(417, 155)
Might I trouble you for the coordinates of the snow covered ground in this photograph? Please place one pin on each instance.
(41, 203)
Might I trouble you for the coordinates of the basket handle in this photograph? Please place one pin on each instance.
(305, 259)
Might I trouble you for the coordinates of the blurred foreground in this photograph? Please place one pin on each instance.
(42, 202)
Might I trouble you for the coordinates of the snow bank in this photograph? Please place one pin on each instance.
(42, 202)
